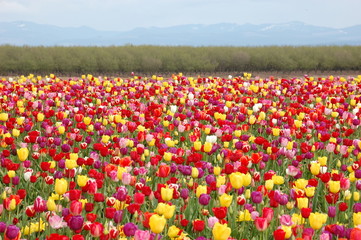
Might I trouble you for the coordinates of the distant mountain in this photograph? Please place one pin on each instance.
(223, 34)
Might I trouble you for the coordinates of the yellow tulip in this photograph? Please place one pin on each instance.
(40, 117)
(161, 208)
(167, 194)
(11, 173)
(310, 191)
(61, 186)
(23, 154)
(244, 216)
(356, 217)
(356, 196)
(301, 183)
(298, 123)
(207, 147)
(225, 200)
(51, 204)
(217, 170)
(70, 164)
(20, 120)
(200, 190)
(197, 145)
(302, 203)
(288, 231)
(221, 231)
(12, 205)
(247, 179)
(221, 180)
(322, 161)
(278, 180)
(61, 129)
(4, 117)
(315, 168)
(317, 220)
(169, 211)
(276, 132)
(16, 132)
(105, 138)
(82, 180)
(157, 223)
(87, 120)
(269, 184)
(195, 172)
(236, 179)
(167, 156)
(173, 231)
(334, 186)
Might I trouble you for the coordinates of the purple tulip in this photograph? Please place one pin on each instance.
(2, 227)
(184, 193)
(358, 173)
(357, 207)
(204, 199)
(118, 216)
(12, 231)
(129, 229)
(331, 211)
(210, 179)
(76, 222)
(121, 194)
(65, 148)
(256, 197)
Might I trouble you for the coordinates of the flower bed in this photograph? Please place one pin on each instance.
(180, 158)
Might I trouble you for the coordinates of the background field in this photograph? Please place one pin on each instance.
(156, 59)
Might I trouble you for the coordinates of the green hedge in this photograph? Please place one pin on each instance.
(166, 59)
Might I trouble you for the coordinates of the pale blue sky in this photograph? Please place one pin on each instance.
(129, 14)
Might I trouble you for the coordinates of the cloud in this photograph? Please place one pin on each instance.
(8, 6)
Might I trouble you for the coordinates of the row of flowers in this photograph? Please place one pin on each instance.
(180, 157)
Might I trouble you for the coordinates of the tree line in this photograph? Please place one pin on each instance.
(170, 59)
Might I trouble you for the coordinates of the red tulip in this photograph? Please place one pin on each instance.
(198, 225)
(76, 207)
(279, 234)
(261, 223)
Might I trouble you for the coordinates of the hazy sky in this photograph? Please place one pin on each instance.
(128, 14)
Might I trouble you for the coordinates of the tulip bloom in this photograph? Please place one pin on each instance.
(317, 220)
(173, 231)
(221, 231)
(236, 179)
(12, 232)
(198, 225)
(334, 186)
(76, 223)
(225, 200)
(81, 180)
(57, 222)
(279, 234)
(261, 223)
(61, 186)
(356, 217)
(23, 154)
(169, 211)
(141, 235)
(157, 223)
(167, 193)
(257, 197)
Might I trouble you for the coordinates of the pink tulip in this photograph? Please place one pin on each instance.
(142, 235)
(57, 222)
(286, 220)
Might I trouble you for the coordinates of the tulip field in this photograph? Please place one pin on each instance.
(180, 157)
